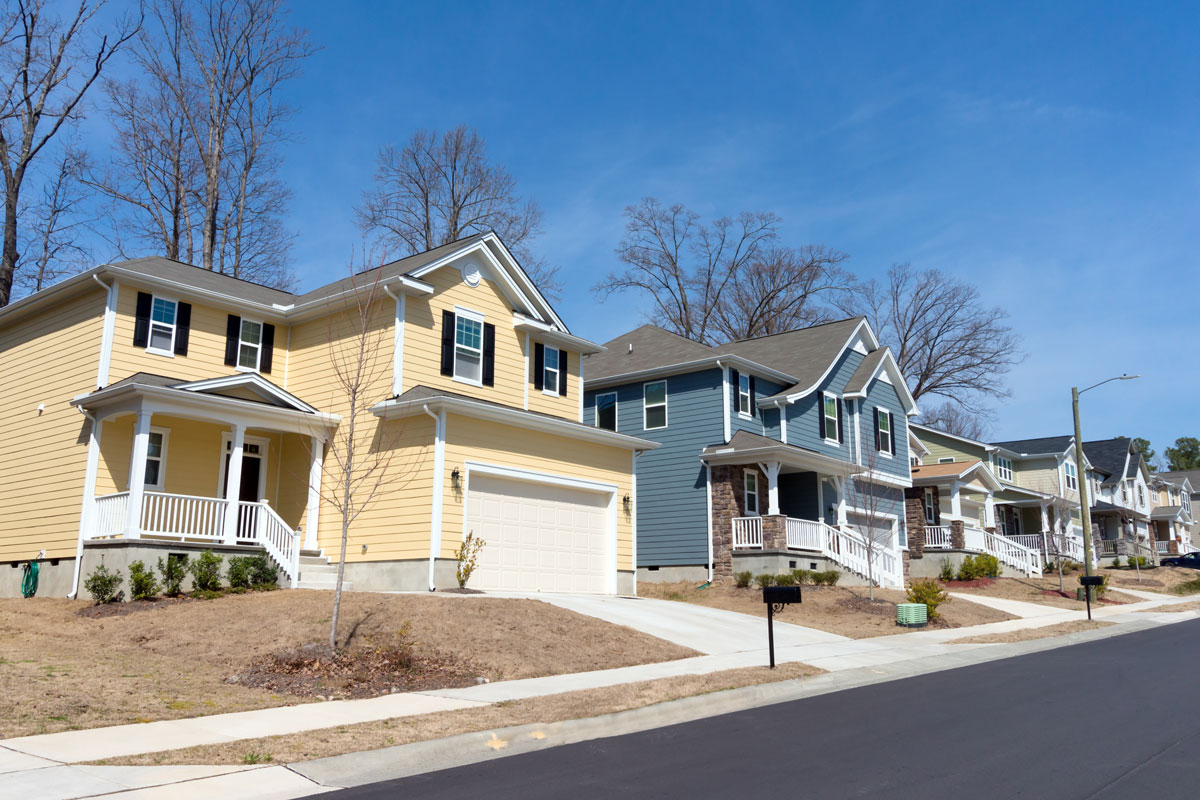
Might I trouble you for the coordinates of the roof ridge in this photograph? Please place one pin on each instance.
(143, 259)
(795, 330)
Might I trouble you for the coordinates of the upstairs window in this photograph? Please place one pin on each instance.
(1186, 500)
(654, 405)
(1141, 495)
(162, 325)
(831, 429)
(751, 486)
(1124, 492)
(946, 460)
(883, 431)
(745, 396)
(250, 345)
(930, 507)
(606, 411)
(1003, 468)
(1072, 478)
(468, 348)
(550, 371)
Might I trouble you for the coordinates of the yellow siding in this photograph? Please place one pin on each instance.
(491, 443)
(206, 345)
(46, 359)
(1040, 475)
(944, 447)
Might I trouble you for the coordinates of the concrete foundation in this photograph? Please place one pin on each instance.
(930, 566)
(625, 583)
(777, 561)
(118, 554)
(54, 577)
(411, 575)
(692, 573)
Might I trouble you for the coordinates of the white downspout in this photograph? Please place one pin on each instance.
(439, 468)
(724, 398)
(106, 338)
(86, 511)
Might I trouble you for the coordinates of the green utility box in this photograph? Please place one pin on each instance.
(912, 615)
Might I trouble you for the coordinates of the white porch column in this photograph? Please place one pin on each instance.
(989, 512)
(841, 504)
(233, 484)
(955, 501)
(1045, 519)
(771, 470)
(137, 475)
(314, 493)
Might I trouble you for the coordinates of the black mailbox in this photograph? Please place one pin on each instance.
(1091, 580)
(779, 595)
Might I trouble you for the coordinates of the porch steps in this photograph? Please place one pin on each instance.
(317, 573)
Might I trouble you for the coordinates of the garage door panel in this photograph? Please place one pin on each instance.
(538, 537)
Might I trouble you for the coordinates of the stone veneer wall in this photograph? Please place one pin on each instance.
(914, 518)
(728, 502)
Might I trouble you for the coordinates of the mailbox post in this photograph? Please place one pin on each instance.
(1089, 584)
(776, 597)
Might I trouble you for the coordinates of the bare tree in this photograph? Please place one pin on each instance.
(870, 501)
(59, 224)
(945, 340)
(439, 188)
(954, 419)
(49, 64)
(685, 267)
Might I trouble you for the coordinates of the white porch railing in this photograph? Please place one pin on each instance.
(1107, 547)
(1033, 541)
(1015, 554)
(804, 534)
(747, 533)
(937, 537)
(192, 518)
(1162, 547)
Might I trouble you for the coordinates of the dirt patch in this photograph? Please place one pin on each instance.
(1193, 606)
(1154, 579)
(1028, 634)
(844, 610)
(977, 583)
(404, 730)
(1043, 591)
(62, 671)
(133, 607)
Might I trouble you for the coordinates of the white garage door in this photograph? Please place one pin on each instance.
(864, 524)
(538, 537)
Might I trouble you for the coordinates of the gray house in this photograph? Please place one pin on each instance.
(777, 452)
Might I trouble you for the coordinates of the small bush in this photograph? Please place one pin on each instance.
(104, 586)
(947, 573)
(930, 593)
(467, 555)
(173, 573)
(1102, 589)
(764, 580)
(802, 576)
(1117, 562)
(264, 574)
(142, 583)
(1138, 561)
(828, 577)
(980, 565)
(742, 579)
(206, 572)
(237, 572)
(785, 579)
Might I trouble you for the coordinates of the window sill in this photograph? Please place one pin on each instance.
(744, 415)
(245, 369)
(832, 442)
(549, 393)
(155, 351)
(468, 381)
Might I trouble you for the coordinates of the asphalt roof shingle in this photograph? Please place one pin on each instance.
(1046, 444)
(645, 348)
(1110, 455)
(804, 354)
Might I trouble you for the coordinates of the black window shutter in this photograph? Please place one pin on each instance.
(268, 349)
(736, 380)
(753, 407)
(877, 447)
(141, 326)
(489, 354)
(183, 327)
(891, 433)
(539, 365)
(233, 334)
(562, 373)
(841, 434)
(821, 414)
(447, 342)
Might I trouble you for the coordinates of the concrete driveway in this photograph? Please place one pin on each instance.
(706, 630)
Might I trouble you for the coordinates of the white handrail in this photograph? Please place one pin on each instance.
(805, 534)
(110, 515)
(1009, 552)
(747, 533)
(937, 537)
(850, 549)
(186, 516)
(281, 542)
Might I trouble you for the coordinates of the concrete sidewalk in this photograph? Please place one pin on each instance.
(39, 762)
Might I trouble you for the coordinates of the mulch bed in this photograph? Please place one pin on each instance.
(317, 671)
(132, 607)
(863, 605)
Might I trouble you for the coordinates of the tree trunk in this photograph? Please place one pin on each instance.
(8, 258)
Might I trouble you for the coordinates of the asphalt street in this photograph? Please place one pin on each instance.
(1114, 718)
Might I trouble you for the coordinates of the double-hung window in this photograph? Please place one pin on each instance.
(468, 347)
(606, 411)
(162, 326)
(1141, 495)
(250, 345)
(156, 457)
(830, 411)
(1071, 475)
(654, 405)
(1003, 468)
(883, 423)
(550, 371)
(1186, 500)
(750, 483)
(930, 507)
(745, 397)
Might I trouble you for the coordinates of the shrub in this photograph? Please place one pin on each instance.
(238, 572)
(1102, 589)
(173, 572)
(264, 574)
(467, 555)
(930, 593)
(742, 579)
(989, 564)
(764, 580)
(947, 573)
(802, 576)
(980, 565)
(1138, 561)
(104, 586)
(142, 583)
(206, 572)
(785, 579)
(828, 577)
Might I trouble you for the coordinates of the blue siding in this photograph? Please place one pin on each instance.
(672, 483)
(884, 395)
(761, 424)
(804, 418)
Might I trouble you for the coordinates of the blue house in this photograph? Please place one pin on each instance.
(790, 450)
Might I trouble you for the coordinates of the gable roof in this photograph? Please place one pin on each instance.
(808, 354)
(958, 470)
(1046, 445)
(1192, 476)
(1111, 456)
(644, 349)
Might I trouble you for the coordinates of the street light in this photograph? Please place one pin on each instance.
(1081, 472)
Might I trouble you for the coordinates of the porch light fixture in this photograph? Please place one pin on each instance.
(626, 501)
(454, 477)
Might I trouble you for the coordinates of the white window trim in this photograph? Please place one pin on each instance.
(946, 460)
(891, 432)
(474, 316)
(616, 416)
(930, 506)
(264, 446)
(162, 460)
(1002, 472)
(170, 352)
(259, 347)
(1068, 477)
(645, 407)
(556, 370)
(749, 476)
(837, 429)
(747, 394)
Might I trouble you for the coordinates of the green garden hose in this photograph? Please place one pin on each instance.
(29, 580)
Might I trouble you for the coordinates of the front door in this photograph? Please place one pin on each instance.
(248, 492)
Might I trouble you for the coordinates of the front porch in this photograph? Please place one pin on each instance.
(163, 455)
(840, 545)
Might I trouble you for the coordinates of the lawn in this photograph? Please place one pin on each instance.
(1029, 634)
(844, 610)
(1041, 590)
(64, 668)
(1156, 579)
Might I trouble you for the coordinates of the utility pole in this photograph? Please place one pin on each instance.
(1081, 482)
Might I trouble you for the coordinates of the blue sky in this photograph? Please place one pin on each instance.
(1046, 152)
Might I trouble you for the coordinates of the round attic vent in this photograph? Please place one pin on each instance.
(471, 273)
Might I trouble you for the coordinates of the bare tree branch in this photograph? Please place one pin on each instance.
(955, 420)
(59, 223)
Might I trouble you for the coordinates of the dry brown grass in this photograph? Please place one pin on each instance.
(1158, 579)
(1028, 634)
(1034, 590)
(62, 671)
(844, 610)
(404, 730)
(1193, 606)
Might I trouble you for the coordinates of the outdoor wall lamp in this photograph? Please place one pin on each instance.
(626, 501)
(454, 477)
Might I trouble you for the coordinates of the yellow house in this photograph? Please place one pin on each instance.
(135, 394)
